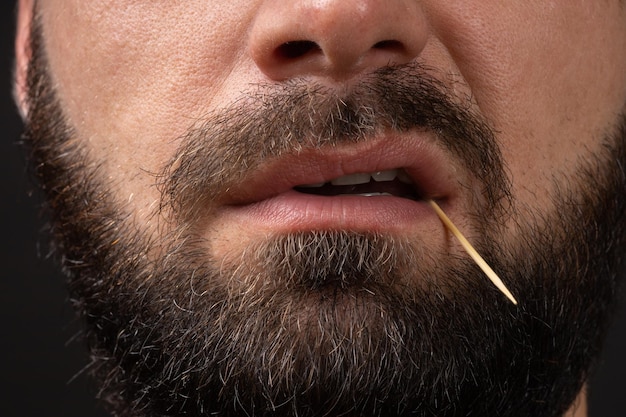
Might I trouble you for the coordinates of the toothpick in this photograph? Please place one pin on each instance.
(472, 252)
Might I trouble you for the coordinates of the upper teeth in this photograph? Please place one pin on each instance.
(352, 179)
(364, 178)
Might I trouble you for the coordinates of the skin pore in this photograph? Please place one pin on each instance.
(127, 105)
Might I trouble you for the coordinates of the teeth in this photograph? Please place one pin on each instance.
(364, 178)
(381, 176)
(353, 179)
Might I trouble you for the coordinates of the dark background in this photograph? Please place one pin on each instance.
(40, 364)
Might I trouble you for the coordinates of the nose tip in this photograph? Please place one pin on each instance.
(335, 38)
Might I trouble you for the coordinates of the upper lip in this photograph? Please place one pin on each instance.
(428, 166)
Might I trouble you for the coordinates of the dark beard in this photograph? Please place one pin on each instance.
(332, 323)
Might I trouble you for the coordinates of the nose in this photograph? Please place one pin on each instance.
(335, 38)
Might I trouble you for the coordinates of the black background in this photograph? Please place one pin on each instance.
(40, 364)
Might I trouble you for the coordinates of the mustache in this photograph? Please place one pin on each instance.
(271, 120)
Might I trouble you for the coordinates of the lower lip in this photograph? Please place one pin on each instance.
(293, 211)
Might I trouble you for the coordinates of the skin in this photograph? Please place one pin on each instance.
(133, 75)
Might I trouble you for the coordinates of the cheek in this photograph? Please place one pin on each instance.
(549, 76)
(133, 76)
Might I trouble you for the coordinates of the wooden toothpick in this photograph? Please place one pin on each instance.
(472, 252)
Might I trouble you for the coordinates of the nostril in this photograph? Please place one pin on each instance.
(389, 45)
(296, 49)
(335, 39)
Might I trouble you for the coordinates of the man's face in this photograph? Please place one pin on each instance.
(182, 145)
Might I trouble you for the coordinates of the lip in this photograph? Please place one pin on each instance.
(266, 199)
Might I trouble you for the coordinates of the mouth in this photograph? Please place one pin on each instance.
(378, 185)
(396, 166)
(392, 182)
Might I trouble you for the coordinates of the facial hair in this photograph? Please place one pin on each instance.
(330, 322)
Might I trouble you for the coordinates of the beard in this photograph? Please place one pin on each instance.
(331, 322)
